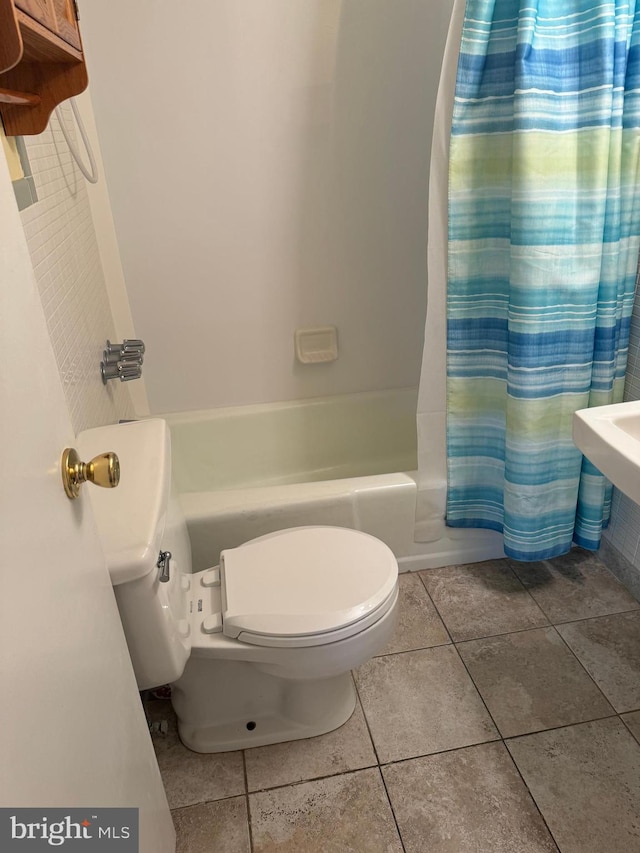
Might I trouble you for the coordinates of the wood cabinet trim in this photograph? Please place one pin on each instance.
(11, 47)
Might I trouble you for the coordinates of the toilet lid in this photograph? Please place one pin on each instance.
(304, 581)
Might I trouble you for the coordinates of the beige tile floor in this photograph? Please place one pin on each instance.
(504, 717)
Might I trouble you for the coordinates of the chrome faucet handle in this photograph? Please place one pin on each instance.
(108, 370)
(111, 356)
(112, 348)
(129, 369)
(129, 347)
(114, 357)
(124, 369)
(132, 346)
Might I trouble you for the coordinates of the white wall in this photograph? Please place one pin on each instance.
(267, 164)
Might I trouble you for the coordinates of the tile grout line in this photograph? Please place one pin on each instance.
(455, 646)
(475, 686)
(381, 765)
(416, 649)
(555, 625)
(533, 799)
(513, 574)
(567, 645)
(393, 811)
(498, 739)
(529, 734)
(377, 757)
(300, 782)
(625, 724)
(601, 563)
(499, 633)
(395, 761)
(584, 668)
(439, 615)
(552, 624)
(246, 799)
(527, 590)
(596, 616)
(520, 631)
(366, 721)
(313, 778)
(563, 726)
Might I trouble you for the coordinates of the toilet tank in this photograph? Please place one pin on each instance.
(136, 521)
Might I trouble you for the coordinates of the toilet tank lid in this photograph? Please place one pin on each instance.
(305, 581)
(131, 518)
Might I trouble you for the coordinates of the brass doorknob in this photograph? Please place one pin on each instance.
(103, 470)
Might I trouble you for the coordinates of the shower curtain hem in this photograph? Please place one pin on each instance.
(525, 556)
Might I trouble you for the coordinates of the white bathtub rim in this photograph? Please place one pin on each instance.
(253, 497)
(360, 497)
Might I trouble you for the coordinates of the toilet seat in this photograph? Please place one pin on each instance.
(306, 586)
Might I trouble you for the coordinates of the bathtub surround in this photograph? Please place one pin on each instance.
(102, 215)
(432, 395)
(295, 153)
(62, 243)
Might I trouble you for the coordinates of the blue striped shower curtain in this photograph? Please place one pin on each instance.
(544, 225)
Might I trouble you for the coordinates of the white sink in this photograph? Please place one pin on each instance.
(609, 436)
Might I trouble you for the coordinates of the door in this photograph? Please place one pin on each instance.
(72, 729)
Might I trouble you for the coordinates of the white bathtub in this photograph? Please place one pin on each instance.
(345, 461)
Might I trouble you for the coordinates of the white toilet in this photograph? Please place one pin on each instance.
(258, 650)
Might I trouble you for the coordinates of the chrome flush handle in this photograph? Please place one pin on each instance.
(164, 559)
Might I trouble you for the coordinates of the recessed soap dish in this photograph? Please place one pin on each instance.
(316, 346)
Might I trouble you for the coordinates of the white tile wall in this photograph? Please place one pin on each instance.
(66, 261)
(624, 529)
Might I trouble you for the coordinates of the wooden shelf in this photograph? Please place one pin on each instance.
(19, 99)
(39, 68)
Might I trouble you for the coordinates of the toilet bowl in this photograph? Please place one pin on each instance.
(258, 649)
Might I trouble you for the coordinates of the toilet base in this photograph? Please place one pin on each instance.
(227, 705)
